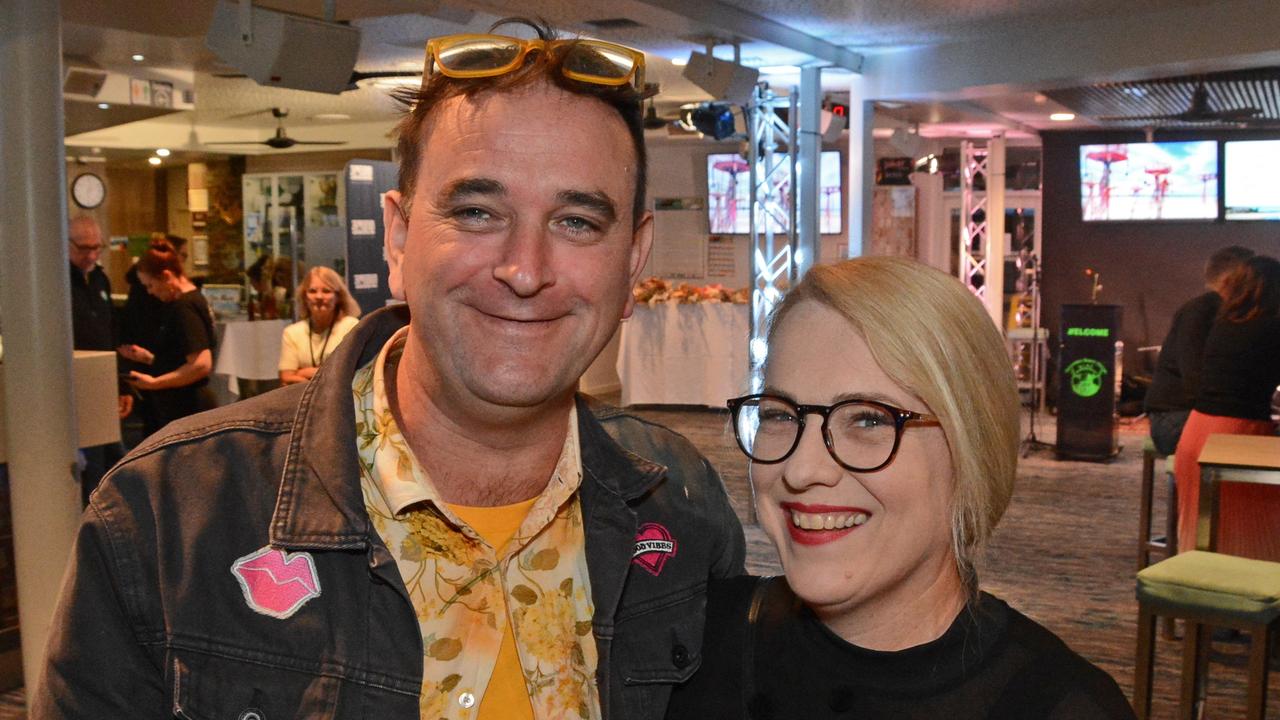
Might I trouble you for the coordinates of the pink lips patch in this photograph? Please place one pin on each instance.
(654, 546)
(277, 583)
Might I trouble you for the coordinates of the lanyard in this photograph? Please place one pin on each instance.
(324, 347)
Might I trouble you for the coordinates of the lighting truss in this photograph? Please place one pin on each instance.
(772, 206)
(975, 236)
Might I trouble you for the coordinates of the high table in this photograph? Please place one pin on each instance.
(684, 354)
(250, 349)
(1232, 458)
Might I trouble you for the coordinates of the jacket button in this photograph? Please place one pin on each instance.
(680, 656)
(251, 714)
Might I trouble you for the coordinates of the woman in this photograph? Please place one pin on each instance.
(883, 448)
(1241, 371)
(328, 313)
(181, 360)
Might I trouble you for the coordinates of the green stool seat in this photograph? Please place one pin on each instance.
(1207, 589)
(1215, 584)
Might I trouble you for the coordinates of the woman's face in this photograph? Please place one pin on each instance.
(161, 286)
(321, 299)
(903, 548)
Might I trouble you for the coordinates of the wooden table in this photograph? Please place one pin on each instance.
(1232, 458)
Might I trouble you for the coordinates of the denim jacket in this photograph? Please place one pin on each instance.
(153, 622)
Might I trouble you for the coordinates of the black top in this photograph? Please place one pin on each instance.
(1241, 369)
(186, 328)
(91, 317)
(993, 662)
(1177, 378)
(142, 316)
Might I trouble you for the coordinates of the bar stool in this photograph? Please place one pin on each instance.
(1165, 545)
(1207, 589)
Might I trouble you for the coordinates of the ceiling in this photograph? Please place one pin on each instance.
(171, 36)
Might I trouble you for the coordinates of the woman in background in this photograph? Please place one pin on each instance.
(1241, 371)
(883, 451)
(328, 313)
(181, 358)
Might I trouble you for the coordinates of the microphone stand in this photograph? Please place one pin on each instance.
(1031, 442)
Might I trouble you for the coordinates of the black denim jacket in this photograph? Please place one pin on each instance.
(153, 622)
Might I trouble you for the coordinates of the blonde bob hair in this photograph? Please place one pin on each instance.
(346, 304)
(935, 339)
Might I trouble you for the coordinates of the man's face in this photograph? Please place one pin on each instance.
(85, 246)
(521, 250)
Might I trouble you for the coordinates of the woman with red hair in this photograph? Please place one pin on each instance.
(182, 359)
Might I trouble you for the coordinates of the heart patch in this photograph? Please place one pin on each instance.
(277, 583)
(654, 546)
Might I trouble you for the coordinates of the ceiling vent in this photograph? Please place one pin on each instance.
(83, 81)
(619, 23)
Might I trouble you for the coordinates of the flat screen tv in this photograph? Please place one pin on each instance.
(1251, 191)
(1149, 181)
(728, 193)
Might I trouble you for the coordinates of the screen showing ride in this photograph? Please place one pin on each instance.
(728, 194)
(1251, 192)
(1149, 181)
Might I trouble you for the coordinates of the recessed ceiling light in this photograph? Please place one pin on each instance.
(162, 152)
(138, 57)
(103, 106)
(1062, 117)
(1041, 99)
(331, 116)
(153, 160)
(680, 61)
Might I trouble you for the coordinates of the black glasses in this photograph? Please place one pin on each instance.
(861, 435)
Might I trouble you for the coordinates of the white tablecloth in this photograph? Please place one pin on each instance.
(684, 354)
(250, 350)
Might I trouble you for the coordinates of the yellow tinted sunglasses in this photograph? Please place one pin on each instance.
(589, 61)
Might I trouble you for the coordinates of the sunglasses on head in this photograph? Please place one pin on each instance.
(589, 61)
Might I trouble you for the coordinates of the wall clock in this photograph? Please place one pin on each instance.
(88, 190)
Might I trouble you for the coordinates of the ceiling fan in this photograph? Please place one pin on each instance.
(1200, 111)
(357, 76)
(280, 140)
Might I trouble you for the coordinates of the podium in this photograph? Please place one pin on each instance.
(1089, 372)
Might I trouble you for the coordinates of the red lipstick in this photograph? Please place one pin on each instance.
(801, 536)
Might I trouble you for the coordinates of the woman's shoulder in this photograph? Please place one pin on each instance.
(1050, 676)
(345, 324)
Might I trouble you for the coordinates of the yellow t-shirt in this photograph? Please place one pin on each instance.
(506, 697)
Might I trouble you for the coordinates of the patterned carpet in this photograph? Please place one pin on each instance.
(1064, 555)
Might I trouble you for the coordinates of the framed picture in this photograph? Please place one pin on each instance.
(200, 250)
(161, 94)
(139, 91)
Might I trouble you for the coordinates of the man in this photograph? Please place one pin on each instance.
(93, 327)
(1177, 378)
(435, 526)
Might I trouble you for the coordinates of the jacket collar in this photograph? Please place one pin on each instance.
(320, 505)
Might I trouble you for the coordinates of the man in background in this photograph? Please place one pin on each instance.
(93, 327)
(1177, 378)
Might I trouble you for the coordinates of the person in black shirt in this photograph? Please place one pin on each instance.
(1241, 372)
(1176, 381)
(93, 327)
(883, 450)
(182, 359)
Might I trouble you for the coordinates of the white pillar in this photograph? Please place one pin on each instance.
(862, 170)
(933, 227)
(808, 131)
(995, 229)
(36, 306)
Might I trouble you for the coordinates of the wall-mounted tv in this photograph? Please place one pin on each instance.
(728, 193)
(1251, 191)
(1150, 181)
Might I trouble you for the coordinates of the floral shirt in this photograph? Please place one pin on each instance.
(464, 591)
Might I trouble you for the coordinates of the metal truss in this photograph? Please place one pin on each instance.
(975, 238)
(772, 215)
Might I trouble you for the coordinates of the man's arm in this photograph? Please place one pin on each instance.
(95, 666)
(731, 559)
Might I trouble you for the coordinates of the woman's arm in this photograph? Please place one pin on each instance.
(289, 377)
(197, 367)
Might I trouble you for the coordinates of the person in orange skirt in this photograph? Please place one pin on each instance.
(1241, 372)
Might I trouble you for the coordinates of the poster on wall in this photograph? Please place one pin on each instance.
(679, 245)
(1149, 181)
(722, 258)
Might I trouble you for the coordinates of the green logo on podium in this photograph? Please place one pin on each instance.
(1086, 376)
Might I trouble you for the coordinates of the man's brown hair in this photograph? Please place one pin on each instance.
(539, 66)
